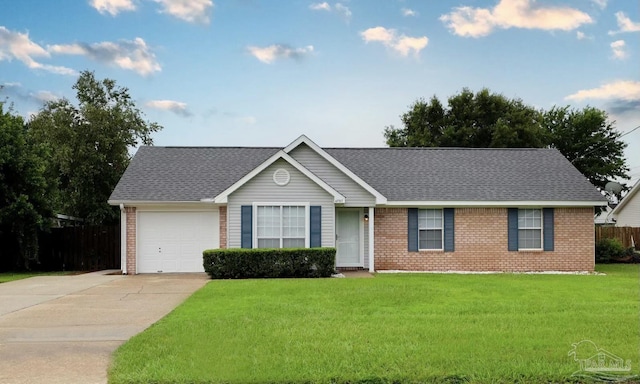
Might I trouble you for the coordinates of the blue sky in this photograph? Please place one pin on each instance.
(251, 72)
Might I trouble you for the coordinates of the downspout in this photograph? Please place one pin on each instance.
(372, 241)
(123, 239)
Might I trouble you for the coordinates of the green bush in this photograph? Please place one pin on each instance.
(608, 250)
(240, 263)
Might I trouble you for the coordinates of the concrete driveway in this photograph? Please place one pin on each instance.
(63, 329)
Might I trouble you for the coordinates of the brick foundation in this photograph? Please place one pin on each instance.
(481, 243)
(131, 240)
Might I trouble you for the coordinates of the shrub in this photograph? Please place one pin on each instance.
(631, 255)
(240, 263)
(608, 250)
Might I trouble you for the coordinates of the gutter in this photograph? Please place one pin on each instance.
(123, 239)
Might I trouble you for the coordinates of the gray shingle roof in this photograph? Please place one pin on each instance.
(400, 174)
(468, 174)
(186, 173)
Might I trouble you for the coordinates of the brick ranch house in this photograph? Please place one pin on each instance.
(417, 209)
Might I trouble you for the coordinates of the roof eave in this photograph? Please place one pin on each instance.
(496, 204)
(157, 202)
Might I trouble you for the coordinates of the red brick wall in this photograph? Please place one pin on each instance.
(223, 227)
(481, 243)
(131, 240)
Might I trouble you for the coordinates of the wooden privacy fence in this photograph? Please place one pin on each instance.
(624, 234)
(84, 248)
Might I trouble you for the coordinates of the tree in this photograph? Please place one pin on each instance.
(589, 142)
(489, 120)
(24, 205)
(89, 145)
(481, 120)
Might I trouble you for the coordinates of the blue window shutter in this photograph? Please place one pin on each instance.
(246, 226)
(413, 230)
(547, 217)
(449, 228)
(513, 229)
(315, 226)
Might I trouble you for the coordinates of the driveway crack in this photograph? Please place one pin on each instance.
(130, 293)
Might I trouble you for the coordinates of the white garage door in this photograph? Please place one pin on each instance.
(174, 241)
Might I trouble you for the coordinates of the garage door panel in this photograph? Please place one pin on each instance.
(173, 241)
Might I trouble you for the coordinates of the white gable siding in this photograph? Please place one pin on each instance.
(263, 189)
(629, 215)
(355, 195)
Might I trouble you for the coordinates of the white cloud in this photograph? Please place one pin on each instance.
(406, 44)
(320, 6)
(177, 107)
(113, 7)
(389, 37)
(580, 35)
(625, 24)
(602, 4)
(338, 8)
(381, 34)
(16, 90)
(278, 51)
(44, 96)
(477, 22)
(406, 12)
(133, 55)
(343, 11)
(16, 45)
(619, 49)
(192, 11)
(627, 90)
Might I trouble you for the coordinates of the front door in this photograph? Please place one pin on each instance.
(348, 253)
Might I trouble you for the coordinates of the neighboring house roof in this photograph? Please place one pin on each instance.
(604, 217)
(627, 198)
(181, 174)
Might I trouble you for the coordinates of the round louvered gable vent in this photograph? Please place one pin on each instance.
(281, 177)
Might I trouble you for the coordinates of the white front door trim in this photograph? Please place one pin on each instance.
(360, 233)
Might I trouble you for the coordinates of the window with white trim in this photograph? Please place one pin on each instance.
(430, 229)
(281, 226)
(530, 228)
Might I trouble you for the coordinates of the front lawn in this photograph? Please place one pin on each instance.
(5, 277)
(405, 328)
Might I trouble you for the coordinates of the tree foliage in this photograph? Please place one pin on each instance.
(480, 120)
(24, 204)
(490, 120)
(89, 145)
(589, 142)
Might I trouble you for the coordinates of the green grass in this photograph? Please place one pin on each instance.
(5, 277)
(393, 328)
